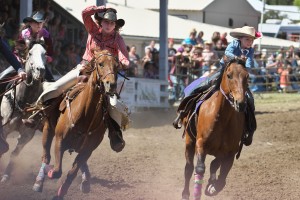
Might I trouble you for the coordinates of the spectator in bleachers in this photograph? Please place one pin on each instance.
(223, 38)
(171, 54)
(219, 48)
(209, 55)
(215, 37)
(191, 40)
(150, 70)
(199, 38)
(154, 52)
(290, 56)
(285, 78)
(196, 62)
(134, 62)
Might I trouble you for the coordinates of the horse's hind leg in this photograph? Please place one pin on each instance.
(23, 139)
(86, 176)
(80, 160)
(189, 166)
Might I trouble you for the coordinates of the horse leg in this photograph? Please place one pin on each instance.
(199, 175)
(85, 186)
(189, 166)
(23, 139)
(226, 164)
(80, 160)
(56, 172)
(214, 166)
(47, 139)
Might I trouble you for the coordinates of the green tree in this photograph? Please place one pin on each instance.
(273, 14)
(297, 3)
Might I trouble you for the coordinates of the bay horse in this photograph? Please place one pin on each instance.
(17, 99)
(80, 126)
(218, 129)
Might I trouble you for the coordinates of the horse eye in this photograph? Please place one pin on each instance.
(229, 76)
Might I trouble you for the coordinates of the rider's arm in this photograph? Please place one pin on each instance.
(88, 21)
(122, 51)
(10, 57)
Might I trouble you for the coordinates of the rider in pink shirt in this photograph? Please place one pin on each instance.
(103, 33)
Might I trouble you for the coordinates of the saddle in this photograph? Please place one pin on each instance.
(191, 103)
(73, 92)
(71, 95)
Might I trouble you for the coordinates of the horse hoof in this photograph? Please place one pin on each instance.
(61, 192)
(37, 187)
(85, 187)
(211, 190)
(48, 168)
(53, 174)
(5, 178)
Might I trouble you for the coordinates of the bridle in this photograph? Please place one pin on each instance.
(229, 97)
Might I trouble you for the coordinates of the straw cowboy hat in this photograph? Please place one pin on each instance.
(37, 16)
(247, 31)
(111, 15)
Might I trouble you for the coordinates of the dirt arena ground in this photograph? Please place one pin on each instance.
(152, 163)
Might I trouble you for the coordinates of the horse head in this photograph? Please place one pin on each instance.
(35, 61)
(106, 65)
(235, 83)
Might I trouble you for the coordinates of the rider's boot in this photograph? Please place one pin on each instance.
(117, 142)
(213, 80)
(250, 120)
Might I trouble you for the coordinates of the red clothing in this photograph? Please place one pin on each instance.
(114, 43)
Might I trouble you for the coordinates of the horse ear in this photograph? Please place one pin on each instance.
(96, 51)
(41, 40)
(225, 58)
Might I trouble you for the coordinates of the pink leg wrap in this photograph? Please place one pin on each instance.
(198, 186)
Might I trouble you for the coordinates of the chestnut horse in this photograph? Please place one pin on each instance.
(218, 129)
(80, 127)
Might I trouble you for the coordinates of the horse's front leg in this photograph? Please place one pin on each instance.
(214, 166)
(85, 185)
(25, 136)
(226, 165)
(189, 166)
(58, 152)
(80, 160)
(47, 138)
(199, 169)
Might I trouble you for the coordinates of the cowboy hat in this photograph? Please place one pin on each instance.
(111, 15)
(37, 16)
(245, 31)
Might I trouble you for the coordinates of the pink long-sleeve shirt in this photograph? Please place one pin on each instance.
(114, 42)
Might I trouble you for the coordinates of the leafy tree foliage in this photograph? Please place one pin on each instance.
(273, 14)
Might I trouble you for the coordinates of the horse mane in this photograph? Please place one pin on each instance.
(239, 60)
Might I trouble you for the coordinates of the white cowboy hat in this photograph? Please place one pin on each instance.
(247, 31)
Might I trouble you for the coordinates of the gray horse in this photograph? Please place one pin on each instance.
(15, 100)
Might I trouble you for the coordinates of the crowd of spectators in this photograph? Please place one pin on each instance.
(67, 54)
(192, 58)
